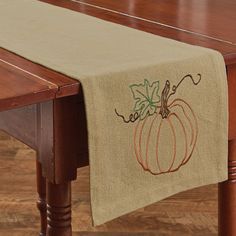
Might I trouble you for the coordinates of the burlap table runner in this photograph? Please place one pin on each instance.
(156, 108)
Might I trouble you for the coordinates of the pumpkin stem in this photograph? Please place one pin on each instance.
(164, 111)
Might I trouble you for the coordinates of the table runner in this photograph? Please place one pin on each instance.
(156, 108)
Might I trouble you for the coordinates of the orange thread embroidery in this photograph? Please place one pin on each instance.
(149, 109)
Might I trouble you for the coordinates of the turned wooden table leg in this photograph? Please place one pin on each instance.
(59, 209)
(227, 197)
(41, 203)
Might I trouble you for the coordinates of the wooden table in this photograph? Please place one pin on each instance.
(44, 109)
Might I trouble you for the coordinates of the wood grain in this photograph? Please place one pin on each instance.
(166, 7)
(199, 17)
(66, 85)
(23, 82)
(190, 213)
(30, 82)
(16, 85)
(231, 70)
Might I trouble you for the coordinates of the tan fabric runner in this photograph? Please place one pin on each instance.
(156, 108)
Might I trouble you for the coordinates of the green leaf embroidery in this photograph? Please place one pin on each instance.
(146, 97)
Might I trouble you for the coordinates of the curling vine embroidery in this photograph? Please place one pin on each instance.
(153, 113)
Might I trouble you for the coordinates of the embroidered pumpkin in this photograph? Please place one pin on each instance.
(165, 142)
(165, 135)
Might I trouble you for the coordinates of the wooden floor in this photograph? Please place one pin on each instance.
(190, 213)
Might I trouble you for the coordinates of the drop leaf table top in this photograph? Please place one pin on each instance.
(39, 106)
(207, 23)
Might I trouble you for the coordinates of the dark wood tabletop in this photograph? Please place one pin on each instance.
(212, 19)
(23, 82)
(194, 22)
(202, 23)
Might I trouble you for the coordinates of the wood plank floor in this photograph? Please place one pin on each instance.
(190, 213)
